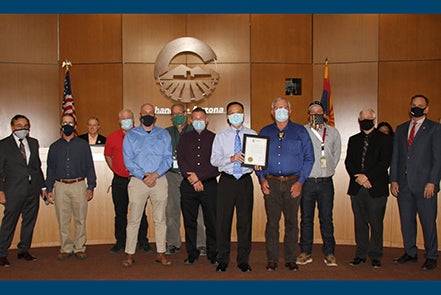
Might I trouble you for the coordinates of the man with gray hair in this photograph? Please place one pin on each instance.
(290, 160)
(367, 161)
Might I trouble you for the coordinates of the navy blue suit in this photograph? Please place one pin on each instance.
(412, 169)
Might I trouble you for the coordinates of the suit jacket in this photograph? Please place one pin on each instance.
(14, 172)
(100, 140)
(377, 161)
(422, 162)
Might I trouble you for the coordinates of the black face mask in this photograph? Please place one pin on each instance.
(67, 129)
(366, 124)
(417, 112)
(147, 120)
(317, 119)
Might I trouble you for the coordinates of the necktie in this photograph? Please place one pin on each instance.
(411, 135)
(237, 169)
(22, 149)
(364, 151)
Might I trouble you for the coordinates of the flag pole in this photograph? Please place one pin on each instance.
(66, 64)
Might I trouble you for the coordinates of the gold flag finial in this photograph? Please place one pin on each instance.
(66, 64)
(326, 61)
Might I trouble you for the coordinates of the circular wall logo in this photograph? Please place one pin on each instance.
(183, 83)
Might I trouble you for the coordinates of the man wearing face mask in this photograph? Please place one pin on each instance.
(235, 190)
(174, 179)
(69, 164)
(290, 160)
(367, 161)
(21, 182)
(199, 186)
(415, 176)
(113, 153)
(319, 187)
(147, 153)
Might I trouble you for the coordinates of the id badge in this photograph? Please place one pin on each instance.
(323, 162)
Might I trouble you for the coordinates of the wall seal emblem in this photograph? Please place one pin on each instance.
(183, 83)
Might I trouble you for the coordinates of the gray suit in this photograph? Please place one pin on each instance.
(22, 184)
(413, 168)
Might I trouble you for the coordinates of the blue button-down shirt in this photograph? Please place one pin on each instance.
(291, 155)
(223, 149)
(147, 152)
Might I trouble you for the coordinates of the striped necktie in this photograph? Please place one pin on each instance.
(22, 149)
(411, 135)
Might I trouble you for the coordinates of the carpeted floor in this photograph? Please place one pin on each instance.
(102, 265)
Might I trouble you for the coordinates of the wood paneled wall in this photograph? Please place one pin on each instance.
(376, 61)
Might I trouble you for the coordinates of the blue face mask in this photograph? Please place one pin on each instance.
(281, 115)
(236, 119)
(198, 125)
(127, 124)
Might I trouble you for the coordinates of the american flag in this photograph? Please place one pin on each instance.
(68, 106)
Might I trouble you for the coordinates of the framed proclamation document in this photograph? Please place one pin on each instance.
(256, 150)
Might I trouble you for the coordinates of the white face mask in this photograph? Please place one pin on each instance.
(127, 124)
(236, 119)
(22, 133)
(198, 125)
(281, 115)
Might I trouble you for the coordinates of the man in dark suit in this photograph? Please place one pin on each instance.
(21, 182)
(415, 176)
(92, 136)
(367, 161)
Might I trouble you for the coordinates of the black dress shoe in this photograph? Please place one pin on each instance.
(212, 259)
(222, 267)
(146, 248)
(429, 264)
(26, 256)
(376, 263)
(405, 259)
(117, 248)
(4, 261)
(190, 260)
(292, 266)
(271, 266)
(357, 261)
(244, 267)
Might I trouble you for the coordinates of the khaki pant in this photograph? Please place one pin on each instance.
(139, 193)
(71, 201)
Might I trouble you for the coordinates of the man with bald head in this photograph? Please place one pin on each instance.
(367, 161)
(147, 153)
(113, 153)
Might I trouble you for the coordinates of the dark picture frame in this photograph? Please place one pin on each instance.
(256, 150)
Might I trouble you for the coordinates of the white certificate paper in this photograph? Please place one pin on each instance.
(255, 149)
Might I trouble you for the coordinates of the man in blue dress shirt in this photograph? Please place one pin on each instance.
(147, 153)
(235, 190)
(290, 160)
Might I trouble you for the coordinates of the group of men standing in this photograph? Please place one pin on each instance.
(177, 170)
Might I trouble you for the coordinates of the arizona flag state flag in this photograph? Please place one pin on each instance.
(68, 105)
(326, 99)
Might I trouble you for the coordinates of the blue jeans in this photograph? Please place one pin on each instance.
(321, 192)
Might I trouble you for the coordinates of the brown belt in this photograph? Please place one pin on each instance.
(283, 178)
(70, 181)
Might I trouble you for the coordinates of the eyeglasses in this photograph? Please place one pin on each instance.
(281, 135)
